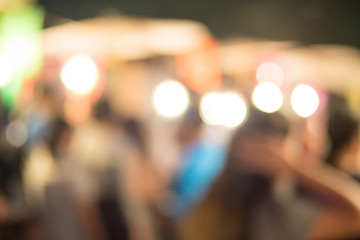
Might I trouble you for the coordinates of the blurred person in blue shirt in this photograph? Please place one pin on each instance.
(201, 161)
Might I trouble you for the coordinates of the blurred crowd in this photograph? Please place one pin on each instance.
(97, 180)
(131, 128)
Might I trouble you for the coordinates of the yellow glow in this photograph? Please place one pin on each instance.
(6, 70)
(39, 170)
(226, 109)
(267, 97)
(270, 72)
(170, 99)
(16, 133)
(304, 100)
(79, 74)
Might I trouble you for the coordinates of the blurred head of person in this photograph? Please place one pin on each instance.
(132, 128)
(102, 111)
(46, 100)
(58, 137)
(136, 131)
(343, 138)
(342, 133)
(250, 143)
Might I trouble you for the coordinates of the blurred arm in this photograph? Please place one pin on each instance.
(339, 216)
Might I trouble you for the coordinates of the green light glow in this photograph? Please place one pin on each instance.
(20, 31)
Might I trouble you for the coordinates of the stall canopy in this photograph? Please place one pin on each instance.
(124, 37)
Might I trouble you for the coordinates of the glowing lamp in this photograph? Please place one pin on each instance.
(170, 99)
(267, 97)
(225, 109)
(211, 107)
(234, 110)
(304, 100)
(80, 74)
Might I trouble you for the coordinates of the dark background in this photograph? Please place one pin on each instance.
(310, 22)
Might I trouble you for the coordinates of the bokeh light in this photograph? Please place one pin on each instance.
(16, 133)
(304, 100)
(6, 70)
(270, 72)
(170, 99)
(211, 108)
(267, 97)
(226, 109)
(80, 74)
(234, 110)
(19, 51)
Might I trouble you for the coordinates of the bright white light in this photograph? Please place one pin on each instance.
(79, 74)
(270, 72)
(16, 133)
(211, 108)
(6, 71)
(234, 110)
(170, 99)
(226, 109)
(19, 51)
(304, 100)
(267, 97)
